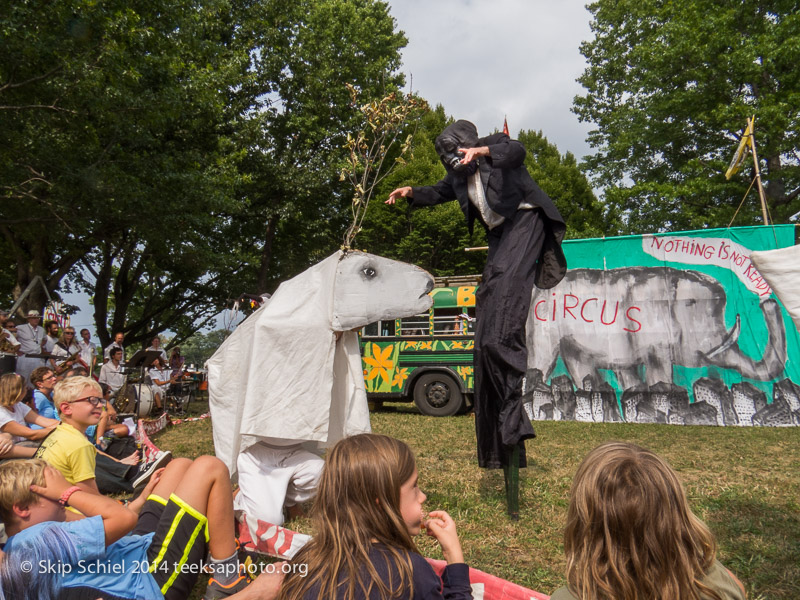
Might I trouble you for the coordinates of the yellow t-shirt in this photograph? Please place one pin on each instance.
(68, 450)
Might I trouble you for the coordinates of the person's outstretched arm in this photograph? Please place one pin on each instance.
(118, 521)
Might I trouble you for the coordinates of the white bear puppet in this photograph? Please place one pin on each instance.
(291, 373)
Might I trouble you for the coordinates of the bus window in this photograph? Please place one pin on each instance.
(379, 329)
(387, 328)
(446, 321)
(416, 325)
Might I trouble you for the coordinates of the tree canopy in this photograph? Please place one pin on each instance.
(167, 156)
(670, 86)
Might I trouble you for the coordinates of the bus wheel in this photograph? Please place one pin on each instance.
(437, 395)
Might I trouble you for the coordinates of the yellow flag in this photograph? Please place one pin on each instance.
(741, 152)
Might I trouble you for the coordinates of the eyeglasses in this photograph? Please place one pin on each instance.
(93, 400)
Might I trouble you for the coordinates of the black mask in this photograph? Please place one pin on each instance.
(461, 134)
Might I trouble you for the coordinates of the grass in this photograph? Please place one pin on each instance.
(743, 482)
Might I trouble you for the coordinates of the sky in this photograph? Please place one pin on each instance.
(484, 61)
(507, 58)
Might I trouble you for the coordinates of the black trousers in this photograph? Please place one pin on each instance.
(502, 305)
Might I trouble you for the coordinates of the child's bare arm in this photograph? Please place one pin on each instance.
(117, 520)
(443, 528)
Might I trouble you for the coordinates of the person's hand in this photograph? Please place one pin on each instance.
(6, 443)
(136, 505)
(402, 192)
(442, 527)
(40, 434)
(133, 459)
(54, 484)
(471, 154)
(265, 587)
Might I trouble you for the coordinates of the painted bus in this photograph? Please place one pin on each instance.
(427, 358)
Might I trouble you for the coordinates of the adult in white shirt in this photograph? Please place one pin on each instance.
(119, 337)
(31, 338)
(65, 349)
(155, 344)
(111, 373)
(88, 350)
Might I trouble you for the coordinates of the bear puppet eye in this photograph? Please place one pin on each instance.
(369, 272)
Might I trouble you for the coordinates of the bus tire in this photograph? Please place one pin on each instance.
(437, 395)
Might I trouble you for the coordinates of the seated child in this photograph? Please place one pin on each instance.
(16, 417)
(188, 511)
(80, 403)
(631, 534)
(367, 509)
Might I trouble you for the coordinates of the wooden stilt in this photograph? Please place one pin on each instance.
(511, 472)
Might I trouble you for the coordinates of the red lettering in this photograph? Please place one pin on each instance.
(555, 302)
(536, 311)
(630, 318)
(568, 309)
(583, 316)
(603, 310)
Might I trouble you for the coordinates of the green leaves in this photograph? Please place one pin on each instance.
(670, 86)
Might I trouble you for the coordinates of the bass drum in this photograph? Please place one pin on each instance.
(127, 402)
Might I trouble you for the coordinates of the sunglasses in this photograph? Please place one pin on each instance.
(93, 400)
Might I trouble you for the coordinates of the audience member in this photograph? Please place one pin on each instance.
(367, 509)
(79, 401)
(15, 416)
(631, 534)
(44, 380)
(31, 339)
(187, 514)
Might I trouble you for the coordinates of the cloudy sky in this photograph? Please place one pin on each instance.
(485, 60)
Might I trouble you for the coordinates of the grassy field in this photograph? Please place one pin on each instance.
(744, 482)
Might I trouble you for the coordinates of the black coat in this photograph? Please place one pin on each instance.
(507, 183)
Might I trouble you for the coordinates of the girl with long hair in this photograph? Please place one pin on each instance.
(367, 509)
(631, 535)
(16, 416)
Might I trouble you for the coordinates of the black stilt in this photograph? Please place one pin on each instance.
(511, 472)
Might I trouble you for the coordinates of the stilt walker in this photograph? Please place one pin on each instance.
(524, 229)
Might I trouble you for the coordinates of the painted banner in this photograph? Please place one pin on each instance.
(667, 328)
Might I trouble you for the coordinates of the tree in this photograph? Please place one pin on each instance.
(166, 156)
(113, 138)
(199, 348)
(670, 86)
(561, 179)
(308, 52)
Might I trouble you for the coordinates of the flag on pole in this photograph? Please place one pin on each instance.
(505, 126)
(741, 152)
